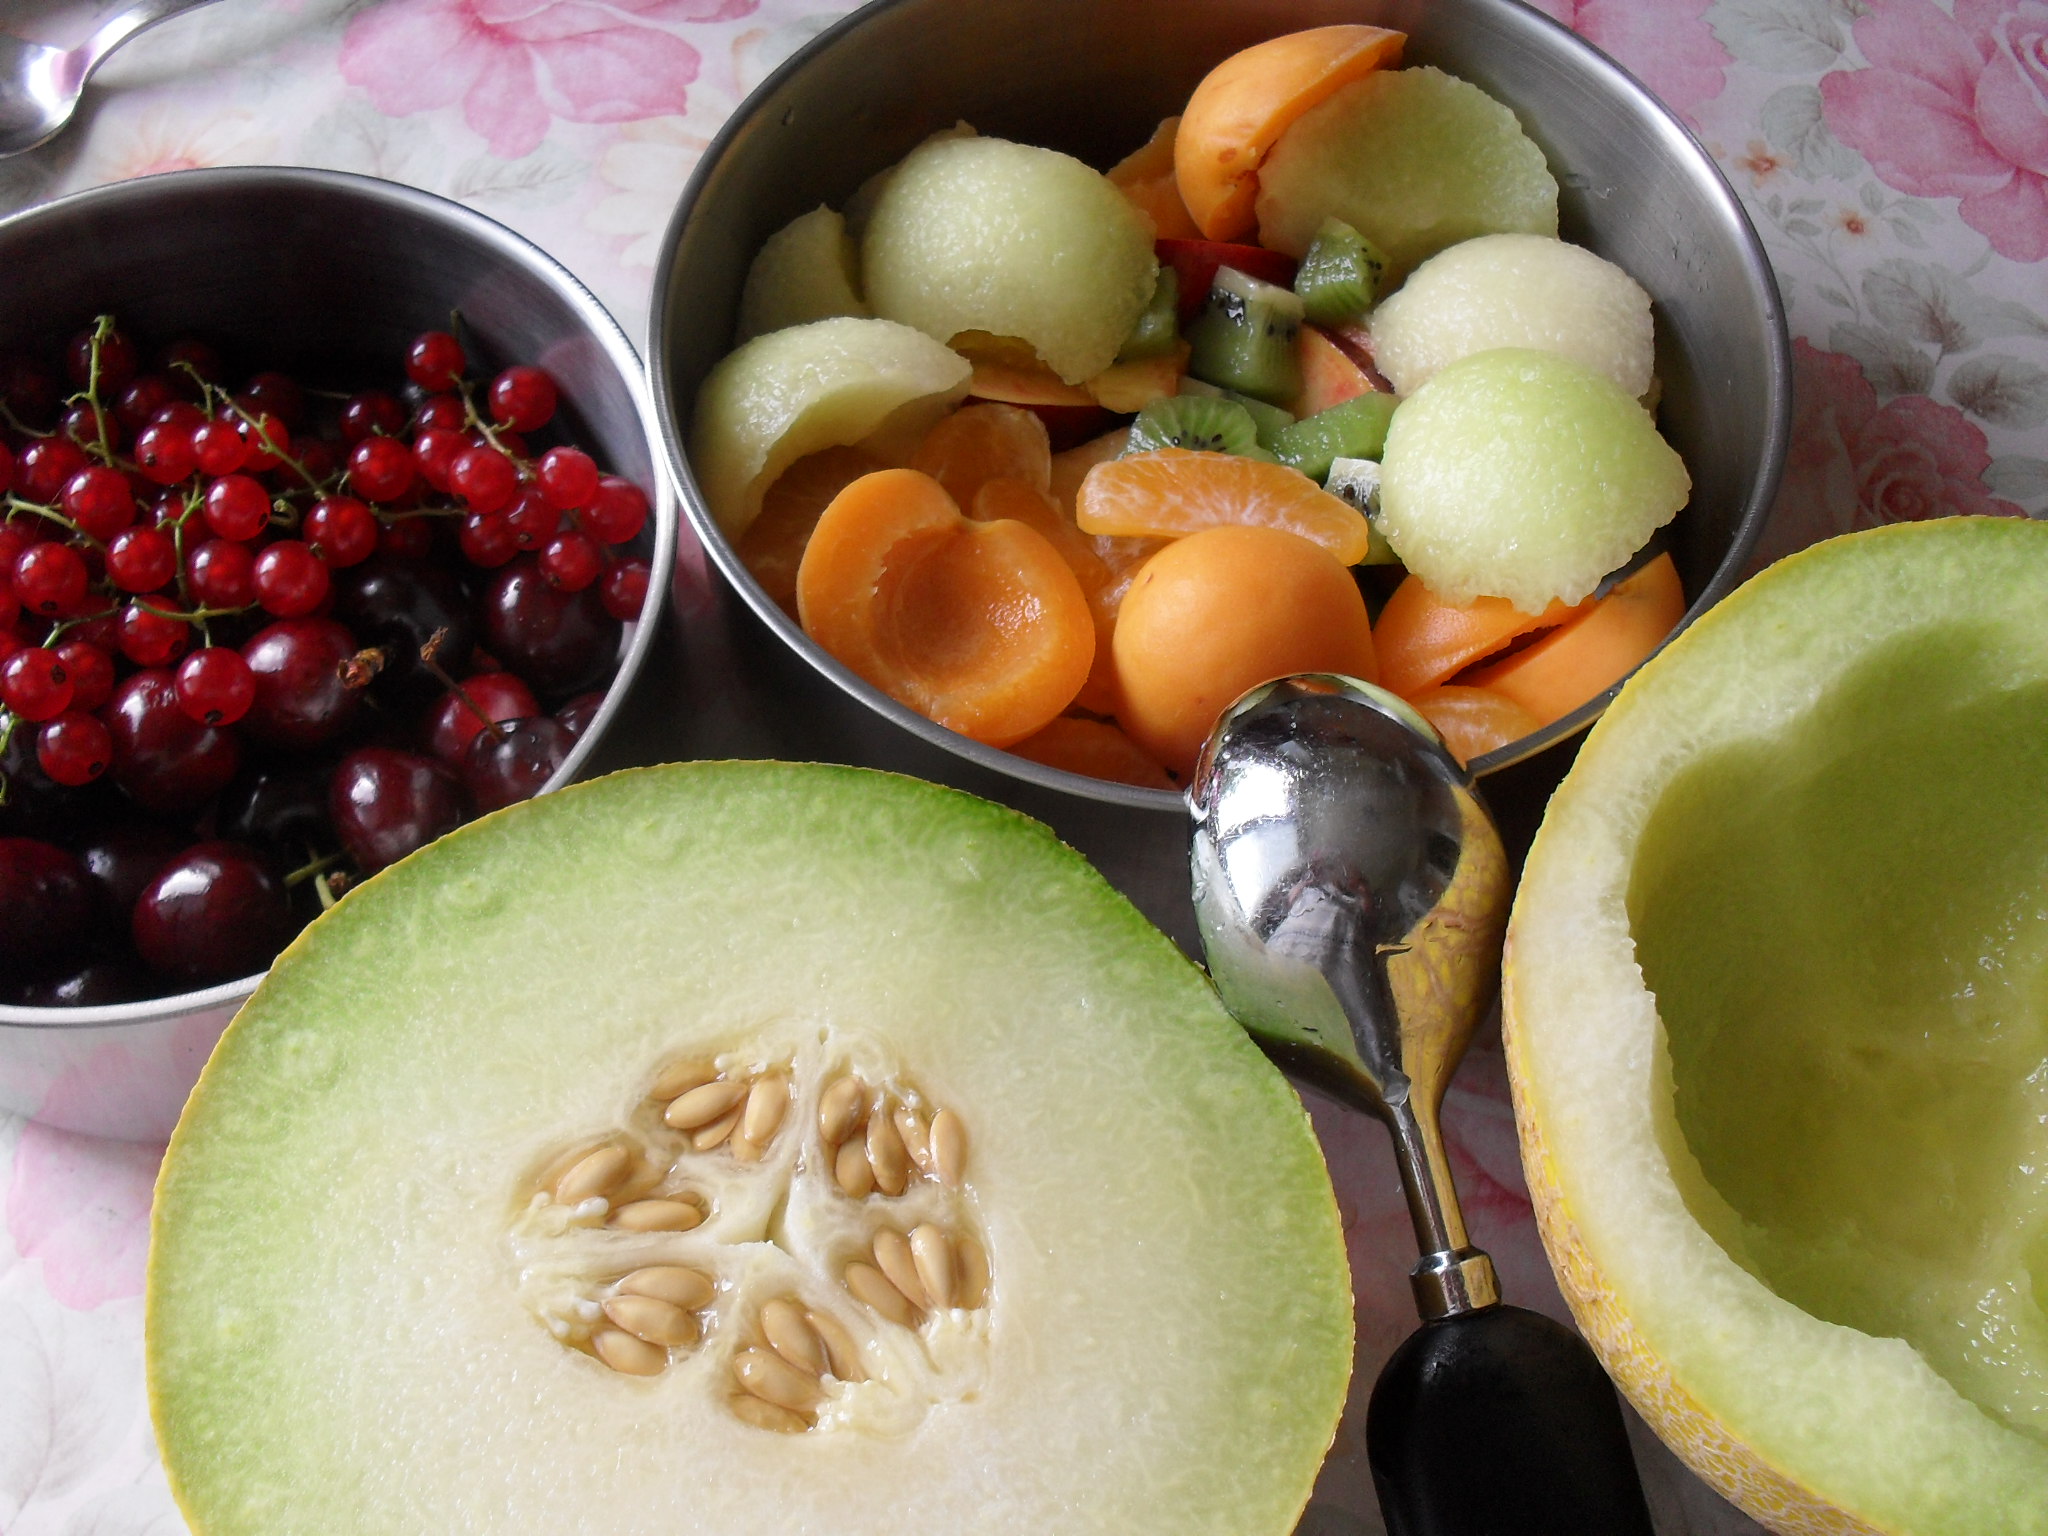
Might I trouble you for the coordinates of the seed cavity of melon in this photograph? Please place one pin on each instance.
(703, 1124)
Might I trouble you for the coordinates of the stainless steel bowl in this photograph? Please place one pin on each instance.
(1093, 78)
(330, 276)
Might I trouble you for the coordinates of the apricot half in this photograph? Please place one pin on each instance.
(981, 627)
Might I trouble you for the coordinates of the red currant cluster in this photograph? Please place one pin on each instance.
(255, 643)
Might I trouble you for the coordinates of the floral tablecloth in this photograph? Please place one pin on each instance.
(1894, 155)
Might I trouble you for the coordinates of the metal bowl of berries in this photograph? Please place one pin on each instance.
(334, 518)
(891, 85)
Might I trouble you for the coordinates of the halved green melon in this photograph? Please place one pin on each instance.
(405, 1231)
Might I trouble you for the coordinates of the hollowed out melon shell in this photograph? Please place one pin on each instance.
(333, 1343)
(1812, 1426)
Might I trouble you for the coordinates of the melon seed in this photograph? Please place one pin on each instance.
(644, 1178)
(853, 1171)
(595, 1176)
(791, 1336)
(970, 1260)
(679, 1077)
(916, 1139)
(705, 1137)
(887, 1156)
(767, 1101)
(892, 1253)
(949, 1146)
(839, 1347)
(872, 1289)
(743, 1150)
(655, 1321)
(672, 1283)
(657, 1216)
(933, 1256)
(839, 1110)
(771, 1377)
(704, 1104)
(626, 1354)
(763, 1414)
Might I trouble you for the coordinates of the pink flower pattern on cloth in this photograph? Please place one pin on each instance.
(1955, 106)
(515, 66)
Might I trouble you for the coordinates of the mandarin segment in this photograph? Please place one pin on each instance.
(1170, 492)
(1245, 104)
(773, 545)
(983, 442)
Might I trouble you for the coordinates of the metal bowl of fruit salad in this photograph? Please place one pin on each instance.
(1044, 372)
(333, 520)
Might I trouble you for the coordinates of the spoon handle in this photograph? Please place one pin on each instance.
(117, 29)
(1501, 1421)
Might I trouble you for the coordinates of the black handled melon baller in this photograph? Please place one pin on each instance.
(1351, 893)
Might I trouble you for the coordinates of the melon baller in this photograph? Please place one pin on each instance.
(1351, 893)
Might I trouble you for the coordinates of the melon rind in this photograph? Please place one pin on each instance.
(1810, 1427)
(333, 1344)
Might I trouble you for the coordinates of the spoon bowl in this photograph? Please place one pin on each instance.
(41, 85)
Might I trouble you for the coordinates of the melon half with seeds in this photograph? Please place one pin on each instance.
(743, 1148)
(1776, 1007)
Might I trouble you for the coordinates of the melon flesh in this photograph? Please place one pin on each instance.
(351, 1273)
(807, 270)
(1777, 1014)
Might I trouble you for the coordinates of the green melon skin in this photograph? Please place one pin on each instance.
(336, 1337)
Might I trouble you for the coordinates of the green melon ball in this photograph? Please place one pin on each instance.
(978, 234)
(1524, 475)
(1515, 291)
(807, 270)
(796, 391)
(389, 1291)
(1413, 159)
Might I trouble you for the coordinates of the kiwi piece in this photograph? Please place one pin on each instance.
(1269, 419)
(1158, 328)
(1358, 482)
(1244, 338)
(1339, 277)
(1353, 429)
(1200, 422)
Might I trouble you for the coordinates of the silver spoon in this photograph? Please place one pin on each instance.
(1351, 894)
(40, 85)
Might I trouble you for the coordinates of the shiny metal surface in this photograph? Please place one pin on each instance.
(1351, 894)
(1093, 78)
(328, 276)
(40, 86)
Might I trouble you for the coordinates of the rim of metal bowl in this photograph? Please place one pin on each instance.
(506, 245)
(671, 412)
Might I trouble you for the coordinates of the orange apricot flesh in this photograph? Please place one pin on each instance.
(981, 627)
(1146, 177)
(1245, 103)
(1221, 611)
(772, 547)
(1104, 588)
(1559, 672)
(1095, 748)
(1474, 721)
(1423, 641)
(1169, 492)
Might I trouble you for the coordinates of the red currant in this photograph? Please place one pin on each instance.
(215, 685)
(406, 538)
(151, 638)
(164, 453)
(484, 478)
(268, 441)
(179, 413)
(50, 579)
(222, 574)
(291, 581)
(317, 462)
(342, 531)
(142, 399)
(218, 448)
(616, 513)
(381, 468)
(92, 673)
(34, 683)
(184, 360)
(373, 413)
(568, 477)
(6, 466)
(116, 356)
(237, 507)
(98, 500)
(44, 466)
(88, 427)
(523, 397)
(142, 559)
(506, 441)
(29, 389)
(435, 361)
(74, 748)
(487, 539)
(444, 411)
(625, 589)
(533, 520)
(571, 561)
(435, 451)
(277, 394)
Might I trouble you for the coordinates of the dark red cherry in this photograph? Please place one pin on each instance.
(164, 760)
(385, 803)
(560, 642)
(453, 723)
(214, 913)
(512, 761)
(303, 695)
(46, 908)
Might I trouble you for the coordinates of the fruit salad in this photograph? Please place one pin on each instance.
(1066, 460)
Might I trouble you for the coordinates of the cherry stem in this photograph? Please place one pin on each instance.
(430, 658)
(313, 870)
